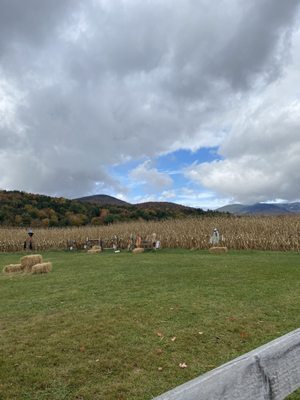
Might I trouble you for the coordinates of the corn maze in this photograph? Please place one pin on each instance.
(260, 233)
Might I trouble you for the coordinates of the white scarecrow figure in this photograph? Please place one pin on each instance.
(215, 237)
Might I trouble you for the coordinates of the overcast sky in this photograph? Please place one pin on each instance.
(193, 101)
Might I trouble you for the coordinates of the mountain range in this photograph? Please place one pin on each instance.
(105, 200)
(236, 209)
(33, 210)
(262, 209)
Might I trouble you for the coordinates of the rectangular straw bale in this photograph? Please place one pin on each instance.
(12, 268)
(96, 247)
(41, 268)
(28, 262)
(138, 250)
(218, 250)
(93, 251)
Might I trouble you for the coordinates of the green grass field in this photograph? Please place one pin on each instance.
(116, 326)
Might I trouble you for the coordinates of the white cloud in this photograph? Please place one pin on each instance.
(150, 177)
(260, 155)
(187, 197)
(200, 199)
(168, 195)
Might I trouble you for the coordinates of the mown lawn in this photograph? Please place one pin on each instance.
(117, 326)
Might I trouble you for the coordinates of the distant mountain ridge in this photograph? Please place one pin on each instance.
(102, 200)
(262, 209)
(163, 205)
(105, 200)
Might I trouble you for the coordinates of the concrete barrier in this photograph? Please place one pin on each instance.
(270, 372)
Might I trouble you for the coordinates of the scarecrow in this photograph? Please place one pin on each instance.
(215, 237)
(28, 244)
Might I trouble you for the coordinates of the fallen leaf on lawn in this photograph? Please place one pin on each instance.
(244, 334)
(97, 360)
(82, 349)
(231, 318)
(159, 351)
(159, 368)
(182, 365)
(173, 338)
(160, 335)
(200, 333)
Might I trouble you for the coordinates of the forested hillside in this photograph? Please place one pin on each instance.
(26, 209)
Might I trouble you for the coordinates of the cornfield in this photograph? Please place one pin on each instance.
(260, 233)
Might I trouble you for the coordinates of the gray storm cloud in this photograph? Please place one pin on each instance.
(86, 85)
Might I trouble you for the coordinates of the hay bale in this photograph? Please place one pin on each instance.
(96, 247)
(218, 250)
(41, 268)
(138, 250)
(12, 268)
(94, 251)
(27, 262)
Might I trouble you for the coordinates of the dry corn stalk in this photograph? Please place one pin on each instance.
(248, 232)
